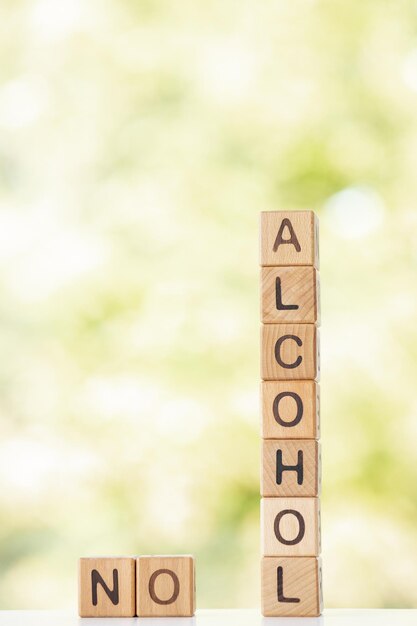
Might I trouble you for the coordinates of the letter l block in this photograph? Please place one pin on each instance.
(291, 586)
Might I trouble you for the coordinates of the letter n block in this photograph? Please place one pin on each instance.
(291, 587)
(106, 587)
(165, 586)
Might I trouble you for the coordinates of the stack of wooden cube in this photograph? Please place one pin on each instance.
(290, 473)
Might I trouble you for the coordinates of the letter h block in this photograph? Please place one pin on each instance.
(290, 369)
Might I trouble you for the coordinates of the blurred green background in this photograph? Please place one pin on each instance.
(138, 142)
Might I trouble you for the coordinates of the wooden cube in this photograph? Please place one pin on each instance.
(165, 586)
(290, 294)
(291, 587)
(290, 409)
(106, 587)
(290, 526)
(289, 238)
(290, 468)
(290, 352)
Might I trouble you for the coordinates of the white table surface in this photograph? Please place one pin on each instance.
(223, 617)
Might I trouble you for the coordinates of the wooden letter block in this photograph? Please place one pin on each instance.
(289, 352)
(291, 587)
(289, 238)
(290, 526)
(290, 294)
(165, 586)
(290, 468)
(290, 409)
(106, 587)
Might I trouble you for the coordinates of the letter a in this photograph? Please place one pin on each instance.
(293, 237)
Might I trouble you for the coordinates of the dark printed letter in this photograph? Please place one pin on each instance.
(298, 360)
(280, 588)
(281, 468)
(175, 592)
(278, 298)
(275, 408)
(96, 580)
(301, 527)
(293, 237)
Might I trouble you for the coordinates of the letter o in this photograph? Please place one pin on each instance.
(301, 527)
(300, 408)
(151, 586)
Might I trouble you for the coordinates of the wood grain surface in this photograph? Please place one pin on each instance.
(289, 352)
(165, 586)
(300, 227)
(290, 526)
(290, 409)
(292, 451)
(93, 600)
(297, 578)
(290, 294)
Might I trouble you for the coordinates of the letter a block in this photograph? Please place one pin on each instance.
(289, 352)
(290, 526)
(289, 238)
(106, 587)
(291, 587)
(165, 586)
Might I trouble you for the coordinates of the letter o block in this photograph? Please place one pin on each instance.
(290, 409)
(165, 586)
(290, 526)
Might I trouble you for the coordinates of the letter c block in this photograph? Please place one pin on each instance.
(290, 352)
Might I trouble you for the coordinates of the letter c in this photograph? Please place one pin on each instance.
(301, 527)
(280, 341)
